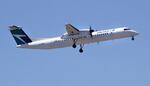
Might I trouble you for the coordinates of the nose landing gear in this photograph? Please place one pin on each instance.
(132, 38)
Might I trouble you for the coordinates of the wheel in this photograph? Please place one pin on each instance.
(74, 45)
(81, 50)
(132, 38)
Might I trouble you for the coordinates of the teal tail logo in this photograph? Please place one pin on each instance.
(19, 35)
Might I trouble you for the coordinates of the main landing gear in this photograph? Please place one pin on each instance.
(81, 48)
(74, 45)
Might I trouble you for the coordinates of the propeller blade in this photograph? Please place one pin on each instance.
(91, 31)
(90, 28)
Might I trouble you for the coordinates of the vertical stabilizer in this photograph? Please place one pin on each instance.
(19, 35)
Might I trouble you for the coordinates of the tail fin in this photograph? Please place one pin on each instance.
(19, 35)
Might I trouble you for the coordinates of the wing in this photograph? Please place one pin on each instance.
(71, 30)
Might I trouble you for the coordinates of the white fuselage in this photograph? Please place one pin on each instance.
(83, 38)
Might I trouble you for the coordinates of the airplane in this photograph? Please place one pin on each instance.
(72, 37)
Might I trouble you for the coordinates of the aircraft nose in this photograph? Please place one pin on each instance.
(136, 33)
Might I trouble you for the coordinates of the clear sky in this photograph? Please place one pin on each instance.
(114, 63)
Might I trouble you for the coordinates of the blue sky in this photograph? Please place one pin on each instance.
(113, 63)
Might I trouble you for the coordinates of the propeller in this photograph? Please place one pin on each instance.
(91, 31)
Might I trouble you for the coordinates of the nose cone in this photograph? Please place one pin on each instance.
(135, 33)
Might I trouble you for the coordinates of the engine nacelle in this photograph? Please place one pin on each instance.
(82, 34)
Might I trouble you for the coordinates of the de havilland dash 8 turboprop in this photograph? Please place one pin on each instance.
(72, 37)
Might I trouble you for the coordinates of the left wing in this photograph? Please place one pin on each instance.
(71, 30)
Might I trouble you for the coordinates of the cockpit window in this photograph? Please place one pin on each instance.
(127, 29)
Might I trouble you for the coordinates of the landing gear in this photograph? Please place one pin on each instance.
(74, 45)
(81, 48)
(133, 38)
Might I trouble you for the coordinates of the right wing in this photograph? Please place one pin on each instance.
(71, 30)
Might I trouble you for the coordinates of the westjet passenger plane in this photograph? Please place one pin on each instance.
(72, 37)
